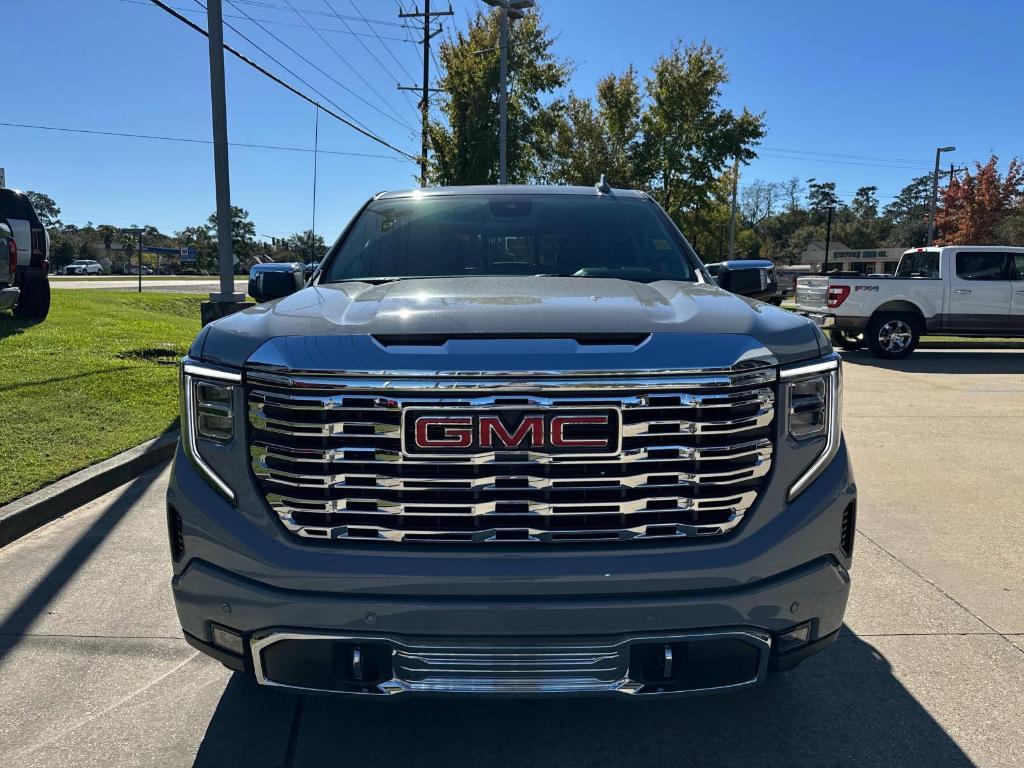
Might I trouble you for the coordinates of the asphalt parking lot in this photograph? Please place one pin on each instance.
(929, 670)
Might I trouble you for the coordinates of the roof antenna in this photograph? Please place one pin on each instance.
(602, 186)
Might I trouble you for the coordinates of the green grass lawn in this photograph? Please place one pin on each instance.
(97, 377)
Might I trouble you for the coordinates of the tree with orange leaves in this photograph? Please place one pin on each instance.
(975, 208)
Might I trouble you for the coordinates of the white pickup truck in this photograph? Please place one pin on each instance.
(963, 290)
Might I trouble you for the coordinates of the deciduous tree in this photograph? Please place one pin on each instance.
(605, 138)
(465, 142)
(689, 138)
(975, 207)
(46, 208)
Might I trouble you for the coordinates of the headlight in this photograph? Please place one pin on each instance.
(813, 398)
(214, 411)
(208, 396)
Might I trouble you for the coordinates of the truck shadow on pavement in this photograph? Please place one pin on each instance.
(842, 708)
(945, 361)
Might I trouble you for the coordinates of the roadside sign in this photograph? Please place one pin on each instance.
(187, 254)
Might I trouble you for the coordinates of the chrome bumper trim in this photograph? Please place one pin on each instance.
(517, 669)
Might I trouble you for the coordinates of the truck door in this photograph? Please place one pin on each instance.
(1017, 285)
(979, 292)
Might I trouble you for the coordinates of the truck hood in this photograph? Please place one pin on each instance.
(479, 321)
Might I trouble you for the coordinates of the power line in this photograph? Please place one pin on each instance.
(147, 4)
(849, 156)
(383, 44)
(310, 63)
(346, 62)
(763, 153)
(276, 7)
(186, 140)
(279, 81)
(290, 71)
(380, 63)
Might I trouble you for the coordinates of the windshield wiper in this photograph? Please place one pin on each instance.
(370, 280)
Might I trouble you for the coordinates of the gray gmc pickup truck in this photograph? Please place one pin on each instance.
(511, 441)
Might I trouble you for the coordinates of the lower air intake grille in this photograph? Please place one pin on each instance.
(175, 533)
(848, 529)
(341, 459)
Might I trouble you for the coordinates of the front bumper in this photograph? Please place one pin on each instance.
(593, 646)
(820, 319)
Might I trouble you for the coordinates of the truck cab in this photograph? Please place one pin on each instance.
(963, 290)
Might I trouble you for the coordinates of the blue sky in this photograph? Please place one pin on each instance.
(859, 93)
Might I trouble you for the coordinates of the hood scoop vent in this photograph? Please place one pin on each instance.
(583, 339)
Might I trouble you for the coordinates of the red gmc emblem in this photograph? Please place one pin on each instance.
(472, 432)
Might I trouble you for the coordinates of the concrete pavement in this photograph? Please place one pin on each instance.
(929, 670)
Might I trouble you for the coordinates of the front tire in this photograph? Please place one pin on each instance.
(34, 302)
(848, 340)
(892, 335)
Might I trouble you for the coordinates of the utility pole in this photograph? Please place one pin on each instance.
(515, 9)
(935, 194)
(226, 301)
(425, 88)
(732, 219)
(828, 239)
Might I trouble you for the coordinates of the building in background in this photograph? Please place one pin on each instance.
(841, 258)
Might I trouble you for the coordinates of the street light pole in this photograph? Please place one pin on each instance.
(503, 97)
(732, 219)
(935, 194)
(828, 240)
(220, 303)
(509, 9)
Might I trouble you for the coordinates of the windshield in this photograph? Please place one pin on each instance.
(919, 264)
(545, 234)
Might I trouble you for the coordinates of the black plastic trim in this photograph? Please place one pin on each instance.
(228, 659)
(793, 658)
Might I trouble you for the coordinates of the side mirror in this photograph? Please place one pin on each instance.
(753, 278)
(272, 281)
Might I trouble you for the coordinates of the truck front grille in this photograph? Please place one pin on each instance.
(695, 450)
(812, 295)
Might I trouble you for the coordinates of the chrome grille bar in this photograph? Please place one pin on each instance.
(291, 504)
(530, 480)
(327, 452)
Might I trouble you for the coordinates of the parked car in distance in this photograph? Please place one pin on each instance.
(28, 284)
(134, 270)
(511, 440)
(962, 290)
(83, 267)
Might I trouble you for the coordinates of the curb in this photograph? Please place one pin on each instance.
(970, 344)
(24, 515)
